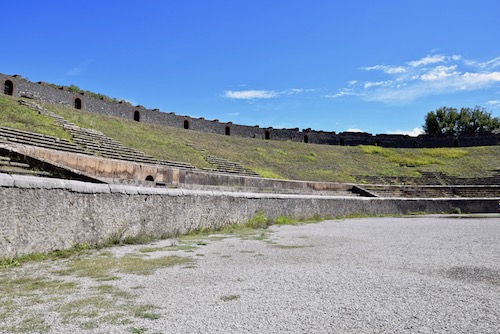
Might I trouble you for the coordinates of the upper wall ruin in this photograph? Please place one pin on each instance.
(17, 86)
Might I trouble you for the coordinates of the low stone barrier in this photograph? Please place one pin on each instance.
(42, 214)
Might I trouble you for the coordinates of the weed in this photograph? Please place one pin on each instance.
(227, 298)
(289, 246)
(151, 249)
(144, 312)
(258, 221)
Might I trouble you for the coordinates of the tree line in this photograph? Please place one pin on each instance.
(451, 121)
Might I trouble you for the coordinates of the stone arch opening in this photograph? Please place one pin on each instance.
(78, 103)
(377, 143)
(342, 142)
(228, 131)
(150, 178)
(267, 135)
(186, 124)
(306, 139)
(137, 116)
(455, 143)
(8, 87)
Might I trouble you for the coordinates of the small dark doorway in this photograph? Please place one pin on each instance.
(78, 103)
(150, 178)
(267, 135)
(186, 124)
(455, 143)
(342, 142)
(137, 116)
(306, 139)
(228, 131)
(377, 143)
(9, 88)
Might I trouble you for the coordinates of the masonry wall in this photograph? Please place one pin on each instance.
(47, 93)
(39, 214)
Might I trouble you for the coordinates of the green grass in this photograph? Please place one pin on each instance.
(271, 159)
(106, 268)
(14, 115)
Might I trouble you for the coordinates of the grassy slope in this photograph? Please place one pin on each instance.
(20, 117)
(278, 159)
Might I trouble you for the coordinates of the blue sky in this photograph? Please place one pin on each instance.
(375, 66)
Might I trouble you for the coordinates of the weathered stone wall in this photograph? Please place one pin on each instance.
(47, 93)
(39, 214)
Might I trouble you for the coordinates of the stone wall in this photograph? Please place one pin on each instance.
(39, 214)
(47, 93)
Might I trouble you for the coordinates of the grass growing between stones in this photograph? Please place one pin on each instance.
(104, 269)
(27, 301)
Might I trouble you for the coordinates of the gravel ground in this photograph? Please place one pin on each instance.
(426, 274)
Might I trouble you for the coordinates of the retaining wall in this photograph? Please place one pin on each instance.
(39, 214)
(19, 87)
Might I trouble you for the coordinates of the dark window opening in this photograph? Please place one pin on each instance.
(78, 103)
(228, 131)
(186, 124)
(9, 88)
(455, 143)
(306, 139)
(150, 178)
(137, 116)
(267, 135)
(342, 142)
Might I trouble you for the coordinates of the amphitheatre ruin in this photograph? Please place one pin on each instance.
(87, 186)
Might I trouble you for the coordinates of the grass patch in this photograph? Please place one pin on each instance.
(144, 312)
(14, 115)
(106, 268)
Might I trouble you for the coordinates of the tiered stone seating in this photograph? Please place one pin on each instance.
(433, 191)
(431, 178)
(14, 167)
(226, 166)
(93, 142)
(36, 139)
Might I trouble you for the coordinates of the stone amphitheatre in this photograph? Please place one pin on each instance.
(88, 187)
(201, 210)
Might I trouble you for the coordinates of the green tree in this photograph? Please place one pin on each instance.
(453, 122)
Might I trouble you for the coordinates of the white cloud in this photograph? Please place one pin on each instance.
(250, 94)
(77, 70)
(370, 84)
(386, 69)
(354, 130)
(431, 75)
(132, 102)
(74, 71)
(342, 92)
(427, 60)
(440, 72)
(412, 133)
(490, 64)
(493, 103)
